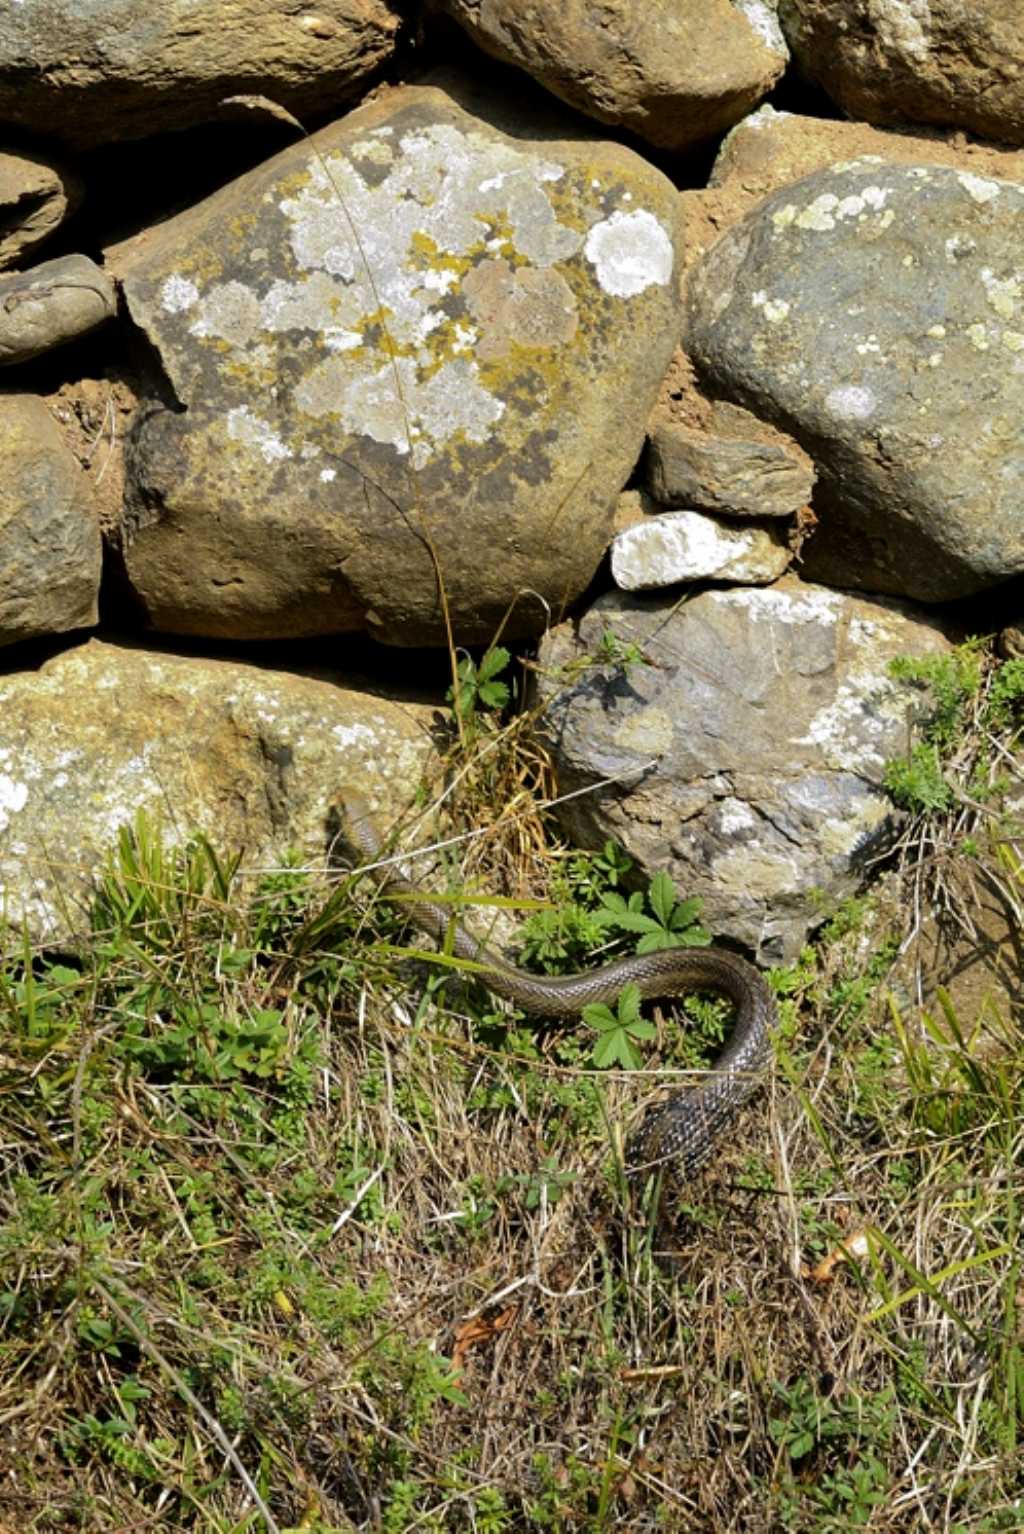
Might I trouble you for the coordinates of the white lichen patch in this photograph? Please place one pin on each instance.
(177, 294)
(357, 734)
(775, 310)
(630, 252)
(958, 248)
(249, 429)
(1002, 293)
(230, 311)
(839, 166)
(765, 22)
(903, 26)
(13, 797)
(979, 188)
(318, 303)
(446, 187)
(828, 209)
(430, 410)
(863, 630)
(777, 606)
(374, 148)
(854, 731)
(851, 402)
(765, 117)
(733, 816)
(444, 198)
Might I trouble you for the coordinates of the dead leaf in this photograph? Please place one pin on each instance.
(475, 1332)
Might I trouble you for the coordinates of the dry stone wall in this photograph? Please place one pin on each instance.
(582, 334)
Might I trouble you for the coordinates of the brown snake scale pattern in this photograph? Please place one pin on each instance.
(681, 1132)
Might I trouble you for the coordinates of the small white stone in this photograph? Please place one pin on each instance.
(673, 546)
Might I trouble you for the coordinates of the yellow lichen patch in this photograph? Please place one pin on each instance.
(497, 238)
(255, 376)
(453, 337)
(201, 266)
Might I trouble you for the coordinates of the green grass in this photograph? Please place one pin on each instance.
(262, 1178)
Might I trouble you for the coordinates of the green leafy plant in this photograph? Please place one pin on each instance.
(613, 651)
(918, 783)
(967, 695)
(668, 922)
(1006, 695)
(546, 1185)
(477, 685)
(619, 1030)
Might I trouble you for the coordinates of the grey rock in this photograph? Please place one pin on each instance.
(667, 547)
(926, 61)
(99, 71)
(672, 74)
(858, 310)
(54, 302)
(49, 534)
(327, 467)
(249, 755)
(740, 475)
(746, 750)
(35, 198)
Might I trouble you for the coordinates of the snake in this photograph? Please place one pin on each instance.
(681, 1133)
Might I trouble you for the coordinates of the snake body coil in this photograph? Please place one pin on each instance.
(684, 1129)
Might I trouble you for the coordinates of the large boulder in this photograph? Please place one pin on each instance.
(249, 755)
(671, 73)
(416, 349)
(916, 61)
(859, 309)
(50, 552)
(739, 742)
(100, 71)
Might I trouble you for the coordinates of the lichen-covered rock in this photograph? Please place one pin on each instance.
(859, 310)
(674, 74)
(98, 71)
(663, 548)
(54, 302)
(49, 534)
(745, 751)
(418, 347)
(916, 61)
(35, 198)
(248, 755)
